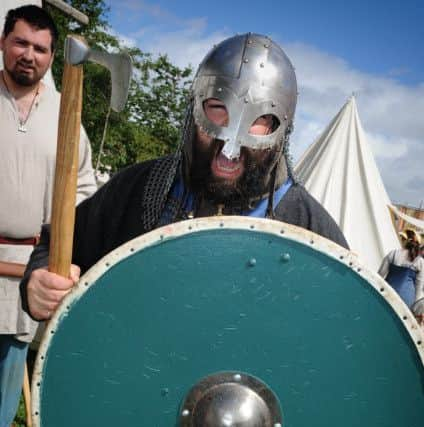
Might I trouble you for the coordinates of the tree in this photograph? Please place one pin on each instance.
(150, 124)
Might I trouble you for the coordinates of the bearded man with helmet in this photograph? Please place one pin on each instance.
(233, 160)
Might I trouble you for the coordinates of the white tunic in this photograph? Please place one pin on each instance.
(27, 166)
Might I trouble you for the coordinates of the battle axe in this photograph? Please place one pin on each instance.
(64, 194)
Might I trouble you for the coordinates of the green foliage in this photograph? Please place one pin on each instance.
(150, 124)
(20, 418)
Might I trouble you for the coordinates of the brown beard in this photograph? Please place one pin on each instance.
(21, 78)
(252, 184)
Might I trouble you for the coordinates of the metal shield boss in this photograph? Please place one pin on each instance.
(230, 321)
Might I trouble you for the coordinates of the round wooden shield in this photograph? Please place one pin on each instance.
(331, 339)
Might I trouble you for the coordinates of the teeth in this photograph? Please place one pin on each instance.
(226, 164)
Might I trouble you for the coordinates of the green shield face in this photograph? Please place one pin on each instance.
(152, 319)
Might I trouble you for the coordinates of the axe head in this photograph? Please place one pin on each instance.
(119, 64)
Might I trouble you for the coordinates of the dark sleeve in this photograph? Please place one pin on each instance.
(111, 217)
(299, 208)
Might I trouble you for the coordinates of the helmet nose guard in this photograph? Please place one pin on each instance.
(253, 77)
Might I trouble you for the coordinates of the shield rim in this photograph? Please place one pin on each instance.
(183, 228)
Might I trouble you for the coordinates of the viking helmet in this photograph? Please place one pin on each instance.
(253, 77)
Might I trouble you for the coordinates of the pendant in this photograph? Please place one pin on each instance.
(22, 128)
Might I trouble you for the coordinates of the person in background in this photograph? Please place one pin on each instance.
(418, 306)
(403, 238)
(28, 122)
(403, 269)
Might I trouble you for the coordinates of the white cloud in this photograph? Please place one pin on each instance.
(185, 46)
(391, 114)
(388, 148)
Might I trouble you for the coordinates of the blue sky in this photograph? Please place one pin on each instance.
(372, 48)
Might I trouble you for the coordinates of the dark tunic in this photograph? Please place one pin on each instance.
(114, 215)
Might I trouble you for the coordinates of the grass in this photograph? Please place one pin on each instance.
(20, 418)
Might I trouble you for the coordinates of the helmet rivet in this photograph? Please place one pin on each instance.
(249, 41)
(262, 65)
(272, 104)
(246, 101)
(266, 46)
(285, 116)
(246, 60)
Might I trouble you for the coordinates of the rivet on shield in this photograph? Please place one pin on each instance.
(285, 257)
(252, 262)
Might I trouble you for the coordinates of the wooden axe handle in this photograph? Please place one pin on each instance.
(65, 183)
(27, 397)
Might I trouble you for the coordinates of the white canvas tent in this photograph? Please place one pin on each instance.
(340, 172)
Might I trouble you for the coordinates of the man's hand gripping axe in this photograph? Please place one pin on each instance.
(64, 194)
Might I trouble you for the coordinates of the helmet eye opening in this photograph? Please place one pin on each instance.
(266, 124)
(216, 111)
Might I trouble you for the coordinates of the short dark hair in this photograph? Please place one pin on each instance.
(35, 16)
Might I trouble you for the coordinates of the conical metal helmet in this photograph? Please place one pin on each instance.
(253, 77)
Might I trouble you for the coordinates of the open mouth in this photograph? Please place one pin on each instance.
(226, 168)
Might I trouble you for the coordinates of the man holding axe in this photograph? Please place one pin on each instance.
(29, 124)
(233, 160)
